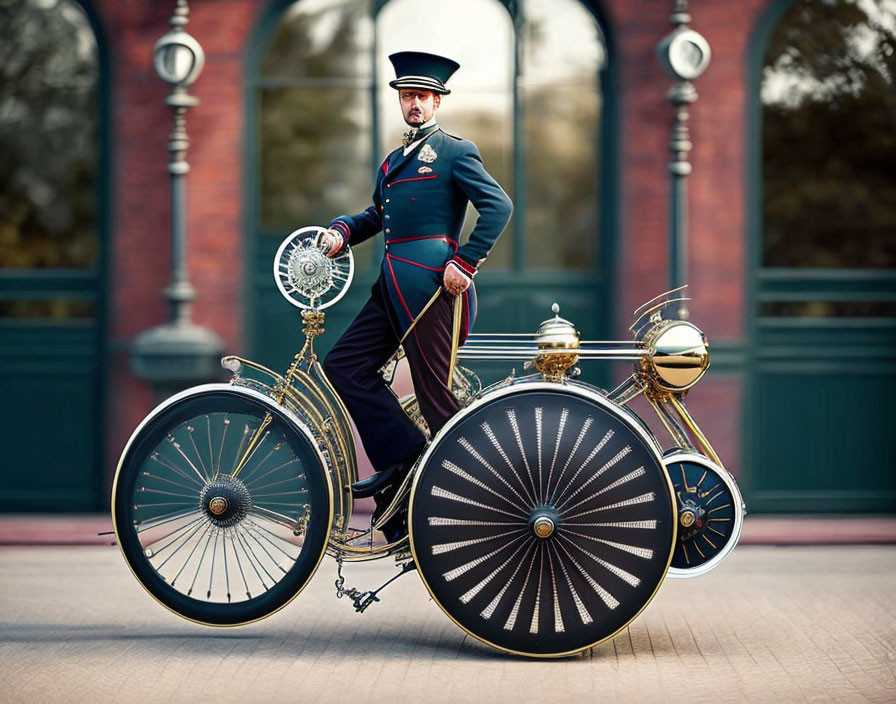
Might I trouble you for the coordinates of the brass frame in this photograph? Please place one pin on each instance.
(310, 401)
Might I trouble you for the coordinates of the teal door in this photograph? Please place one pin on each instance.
(823, 307)
(322, 118)
(51, 271)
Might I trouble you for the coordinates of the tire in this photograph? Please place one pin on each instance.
(542, 520)
(215, 540)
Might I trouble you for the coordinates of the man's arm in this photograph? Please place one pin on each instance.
(357, 228)
(491, 202)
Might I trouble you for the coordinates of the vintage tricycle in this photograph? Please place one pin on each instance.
(542, 518)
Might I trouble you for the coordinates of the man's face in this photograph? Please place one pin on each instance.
(417, 105)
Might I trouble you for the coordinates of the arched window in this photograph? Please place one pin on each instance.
(49, 150)
(824, 260)
(529, 93)
(52, 169)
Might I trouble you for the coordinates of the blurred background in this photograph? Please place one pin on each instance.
(791, 243)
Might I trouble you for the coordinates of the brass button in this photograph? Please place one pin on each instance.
(388, 230)
(387, 200)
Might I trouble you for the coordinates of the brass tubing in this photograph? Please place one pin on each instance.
(692, 425)
(679, 436)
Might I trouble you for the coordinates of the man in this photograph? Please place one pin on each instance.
(424, 298)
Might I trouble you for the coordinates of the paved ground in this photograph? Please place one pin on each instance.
(770, 625)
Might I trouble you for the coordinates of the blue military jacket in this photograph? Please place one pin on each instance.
(419, 204)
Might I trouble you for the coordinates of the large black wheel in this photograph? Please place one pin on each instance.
(542, 521)
(221, 505)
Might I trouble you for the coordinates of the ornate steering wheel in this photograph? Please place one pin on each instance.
(306, 276)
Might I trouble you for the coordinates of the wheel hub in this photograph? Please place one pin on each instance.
(226, 501)
(543, 522)
(691, 520)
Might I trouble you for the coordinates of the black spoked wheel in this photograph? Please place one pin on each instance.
(710, 513)
(542, 520)
(221, 506)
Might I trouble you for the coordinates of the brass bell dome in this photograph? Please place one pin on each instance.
(556, 334)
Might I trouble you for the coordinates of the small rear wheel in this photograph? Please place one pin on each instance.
(222, 506)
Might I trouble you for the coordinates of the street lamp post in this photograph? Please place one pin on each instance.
(685, 55)
(177, 353)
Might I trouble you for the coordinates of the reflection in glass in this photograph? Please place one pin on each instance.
(563, 53)
(828, 98)
(48, 137)
(315, 116)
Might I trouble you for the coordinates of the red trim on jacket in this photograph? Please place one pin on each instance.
(425, 237)
(415, 178)
(398, 290)
(408, 261)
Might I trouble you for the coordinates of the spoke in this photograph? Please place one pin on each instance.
(634, 474)
(176, 445)
(575, 448)
(463, 442)
(250, 534)
(221, 448)
(239, 564)
(160, 503)
(539, 411)
(186, 539)
(533, 627)
(156, 553)
(270, 471)
(489, 610)
(594, 452)
(472, 592)
(190, 430)
(271, 542)
(618, 571)
(642, 499)
(148, 523)
(261, 464)
(211, 575)
(168, 481)
(577, 600)
(439, 548)
(192, 552)
(441, 493)
(282, 481)
(211, 452)
(558, 617)
(201, 560)
(454, 469)
(497, 445)
(467, 566)
(611, 601)
(253, 560)
(144, 490)
(563, 416)
(280, 518)
(511, 619)
(157, 457)
(226, 568)
(511, 416)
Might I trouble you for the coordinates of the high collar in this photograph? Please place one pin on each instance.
(415, 134)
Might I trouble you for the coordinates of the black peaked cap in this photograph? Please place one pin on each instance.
(417, 69)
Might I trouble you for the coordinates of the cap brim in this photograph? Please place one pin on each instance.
(422, 82)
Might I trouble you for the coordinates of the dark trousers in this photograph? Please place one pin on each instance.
(353, 366)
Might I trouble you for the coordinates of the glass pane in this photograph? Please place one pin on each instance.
(829, 136)
(478, 34)
(321, 39)
(315, 147)
(48, 106)
(315, 122)
(563, 53)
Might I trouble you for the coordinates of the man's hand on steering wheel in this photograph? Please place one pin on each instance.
(331, 241)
